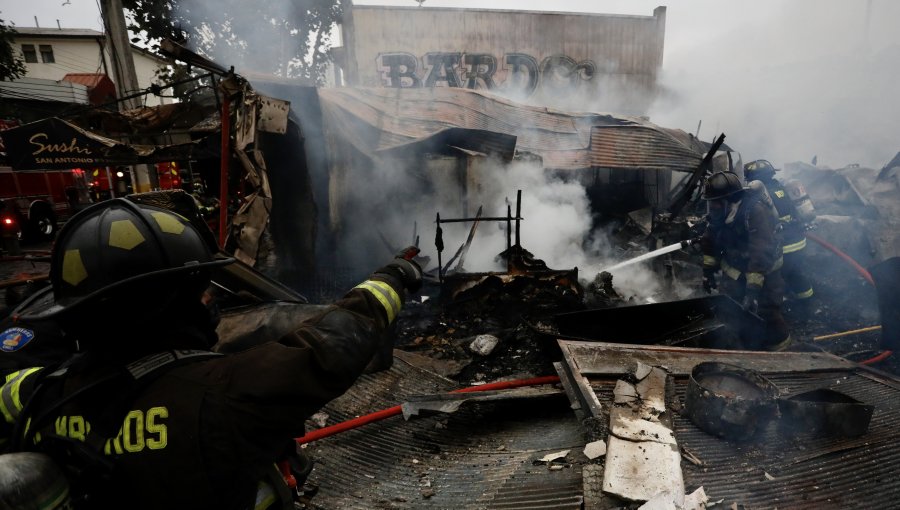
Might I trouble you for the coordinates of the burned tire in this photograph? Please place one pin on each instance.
(42, 226)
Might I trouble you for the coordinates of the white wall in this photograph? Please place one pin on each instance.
(83, 55)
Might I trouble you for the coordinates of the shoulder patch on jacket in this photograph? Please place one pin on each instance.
(14, 339)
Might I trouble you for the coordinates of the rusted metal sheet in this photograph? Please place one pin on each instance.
(797, 470)
(273, 115)
(384, 121)
(640, 147)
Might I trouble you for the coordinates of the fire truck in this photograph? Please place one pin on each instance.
(34, 202)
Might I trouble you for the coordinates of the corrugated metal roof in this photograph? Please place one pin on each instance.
(38, 89)
(478, 457)
(383, 119)
(639, 147)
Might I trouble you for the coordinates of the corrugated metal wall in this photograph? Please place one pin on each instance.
(609, 60)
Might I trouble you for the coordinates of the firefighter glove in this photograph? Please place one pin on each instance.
(709, 280)
(405, 270)
(751, 299)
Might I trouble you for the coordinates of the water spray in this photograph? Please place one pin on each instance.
(653, 254)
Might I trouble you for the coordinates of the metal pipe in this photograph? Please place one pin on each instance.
(223, 169)
(394, 411)
(518, 215)
(846, 333)
(464, 220)
(508, 227)
(439, 244)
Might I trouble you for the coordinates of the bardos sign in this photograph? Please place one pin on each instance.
(514, 72)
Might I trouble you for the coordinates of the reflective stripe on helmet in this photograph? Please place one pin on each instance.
(124, 234)
(168, 223)
(73, 271)
(10, 401)
(791, 248)
(385, 294)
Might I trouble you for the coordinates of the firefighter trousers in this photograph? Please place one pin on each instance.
(776, 329)
(794, 273)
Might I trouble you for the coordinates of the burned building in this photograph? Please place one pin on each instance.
(596, 62)
(452, 138)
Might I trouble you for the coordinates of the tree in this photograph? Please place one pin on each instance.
(11, 64)
(288, 38)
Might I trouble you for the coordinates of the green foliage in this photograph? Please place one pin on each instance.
(12, 65)
(281, 37)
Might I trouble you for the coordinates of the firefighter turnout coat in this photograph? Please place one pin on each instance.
(745, 247)
(748, 251)
(203, 434)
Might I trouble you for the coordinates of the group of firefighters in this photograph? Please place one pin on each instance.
(146, 415)
(756, 238)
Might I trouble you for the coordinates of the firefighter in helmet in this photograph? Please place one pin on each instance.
(741, 242)
(793, 231)
(144, 415)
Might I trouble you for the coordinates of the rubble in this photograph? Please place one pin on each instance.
(484, 344)
(595, 449)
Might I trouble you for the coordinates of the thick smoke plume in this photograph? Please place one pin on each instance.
(786, 80)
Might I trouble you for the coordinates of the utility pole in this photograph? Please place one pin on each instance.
(142, 177)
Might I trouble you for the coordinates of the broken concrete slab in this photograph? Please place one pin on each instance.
(652, 391)
(637, 471)
(624, 392)
(595, 449)
(696, 500)
(484, 344)
(550, 457)
(626, 424)
(641, 370)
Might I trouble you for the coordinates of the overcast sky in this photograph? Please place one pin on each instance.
(783, 79)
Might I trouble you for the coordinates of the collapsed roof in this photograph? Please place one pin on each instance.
(381, 122)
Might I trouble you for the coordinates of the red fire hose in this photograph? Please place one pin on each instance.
(865, 274)
(394, 411)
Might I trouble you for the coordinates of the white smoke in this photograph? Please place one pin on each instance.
(557, 225)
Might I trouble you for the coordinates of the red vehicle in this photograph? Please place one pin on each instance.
(35, 201)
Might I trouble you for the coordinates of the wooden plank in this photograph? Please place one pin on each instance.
(602, 358)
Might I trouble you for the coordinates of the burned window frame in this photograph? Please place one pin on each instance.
(29, 53)
(46, 51)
